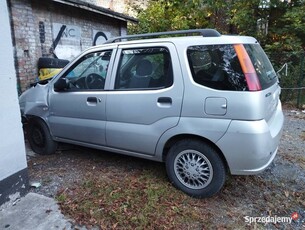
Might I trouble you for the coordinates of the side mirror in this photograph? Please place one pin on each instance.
(60, 84)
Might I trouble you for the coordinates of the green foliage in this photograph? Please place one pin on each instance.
(281, 31)
(286, 19)
(167, 15)
(244, 15)
(295, 22)
(288, 82)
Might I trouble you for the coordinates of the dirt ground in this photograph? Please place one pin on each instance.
(277, 192)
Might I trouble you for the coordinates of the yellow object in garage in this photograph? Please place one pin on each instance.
(46, 73)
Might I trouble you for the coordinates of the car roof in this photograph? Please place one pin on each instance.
(188, 41)
(205, 37)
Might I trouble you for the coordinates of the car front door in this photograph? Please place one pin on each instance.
(146, 97)
(77, 109)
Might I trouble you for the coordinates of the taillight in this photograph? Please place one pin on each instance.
(247, 68)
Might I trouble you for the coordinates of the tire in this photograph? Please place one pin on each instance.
(39, 137)
(183, 163)
(53, 63)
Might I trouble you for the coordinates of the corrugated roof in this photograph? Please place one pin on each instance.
(97, 9)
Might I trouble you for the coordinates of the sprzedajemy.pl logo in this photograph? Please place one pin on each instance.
(295, 216)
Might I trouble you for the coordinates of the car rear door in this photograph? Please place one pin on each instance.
(146, 96)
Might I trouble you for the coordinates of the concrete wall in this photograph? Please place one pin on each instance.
(37, 23)
(13, 166)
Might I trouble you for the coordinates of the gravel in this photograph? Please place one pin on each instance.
(289, 166)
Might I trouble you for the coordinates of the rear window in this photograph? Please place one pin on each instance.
(218, 67)
(262, 65)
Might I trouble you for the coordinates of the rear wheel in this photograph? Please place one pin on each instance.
(39, 137)
(195, 168)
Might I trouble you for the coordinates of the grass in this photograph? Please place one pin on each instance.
(139, 201)
(144, 199)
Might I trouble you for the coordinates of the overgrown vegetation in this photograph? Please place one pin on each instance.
(143, 199)
(139, 200)
(279, 25)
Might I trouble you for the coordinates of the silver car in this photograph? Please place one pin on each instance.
(206, 105)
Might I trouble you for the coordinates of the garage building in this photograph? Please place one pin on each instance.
(58, 29)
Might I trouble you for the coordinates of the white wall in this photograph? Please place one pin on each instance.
(12, 149)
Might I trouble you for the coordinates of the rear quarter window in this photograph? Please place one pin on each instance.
(217, 67)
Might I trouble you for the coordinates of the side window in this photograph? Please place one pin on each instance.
(217, 67)
(145, 68)
(89, 72)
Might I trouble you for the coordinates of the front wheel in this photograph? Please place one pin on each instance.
(195, 168)
(39, 137)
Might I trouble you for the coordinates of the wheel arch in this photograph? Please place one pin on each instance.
(181, 137)
(29, 118)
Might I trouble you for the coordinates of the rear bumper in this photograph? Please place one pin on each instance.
(255, 170)
(255, 144)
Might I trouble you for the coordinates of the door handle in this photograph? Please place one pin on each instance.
(165, 100)
(92, 99)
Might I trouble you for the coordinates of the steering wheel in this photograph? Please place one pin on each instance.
(94, 81)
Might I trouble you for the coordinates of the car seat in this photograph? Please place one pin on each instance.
(142, 77)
